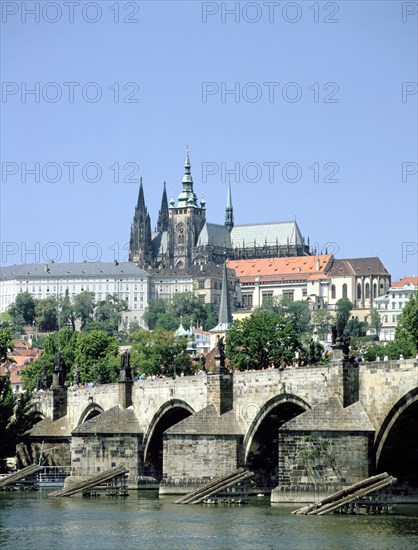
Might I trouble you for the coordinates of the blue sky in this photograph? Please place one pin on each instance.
(318, 98)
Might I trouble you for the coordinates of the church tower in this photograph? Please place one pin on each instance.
(186, 220)
(229, 211)
(162, 223)
(140, 247)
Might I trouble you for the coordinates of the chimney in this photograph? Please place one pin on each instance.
(318, 264)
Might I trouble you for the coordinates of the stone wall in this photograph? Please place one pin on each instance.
(192, 459)
(323, 458)
(91, 455)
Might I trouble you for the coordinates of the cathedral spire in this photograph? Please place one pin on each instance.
(141, 200)
(225, 315)
(162, 223)
(229, 211)
(187, 197)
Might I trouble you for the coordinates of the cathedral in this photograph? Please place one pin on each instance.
(184, 238)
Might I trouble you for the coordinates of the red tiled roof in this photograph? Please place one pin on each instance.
(406, 280)
(279, 269)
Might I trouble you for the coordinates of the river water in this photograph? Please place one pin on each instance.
(31, 520)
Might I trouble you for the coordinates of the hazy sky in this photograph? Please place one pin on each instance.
(313, 103)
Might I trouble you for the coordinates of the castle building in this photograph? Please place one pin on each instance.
(184, 238)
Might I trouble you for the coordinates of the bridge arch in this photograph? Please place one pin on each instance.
(261, 440)
(396, 444)
(92, 410)
(168, 414)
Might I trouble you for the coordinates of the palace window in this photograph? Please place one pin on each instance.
(266, 297)
(202, 285)
(374, 290)
(288, 295)
(333, 293)
(359, 291)
(247, 300)
(344, 290)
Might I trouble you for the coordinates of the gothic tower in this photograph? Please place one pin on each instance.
(140, 247)
(185, 222)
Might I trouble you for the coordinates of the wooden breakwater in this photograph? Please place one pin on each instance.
(112, 482)
(20, 476)
(368, 494)
(219, 487)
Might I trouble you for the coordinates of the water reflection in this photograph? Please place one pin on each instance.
(31, 520)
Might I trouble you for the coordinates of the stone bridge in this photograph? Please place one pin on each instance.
(260, 402)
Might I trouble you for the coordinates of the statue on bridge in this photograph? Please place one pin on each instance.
(125, 373)
(59, 371)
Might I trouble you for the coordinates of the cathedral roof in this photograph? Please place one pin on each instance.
(279, 233)
(213, 234)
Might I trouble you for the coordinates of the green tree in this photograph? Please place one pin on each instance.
(295, 312)
(375, 321)
(185, 306)
(6, 343)
(322, 320)
(46, 318)
(343, 309)
(96, 355)
(407, 327)
(159, 352)
(67, 316)
(261, 340)
(355, 328)
(22, 310)
(154, 310)
(6, 414)
(84, 304)
(109, 313)
(64, 341)
(16, 414)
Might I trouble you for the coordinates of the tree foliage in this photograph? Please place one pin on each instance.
(22, 311)
(407, 327)
(94, 353)
(343, 309)
(46, 314)
(322, 320)
(84, 304)
(295, 312)
(375, 322)
(16, 415)
(261, 340)
(159, 353)
(185, 307)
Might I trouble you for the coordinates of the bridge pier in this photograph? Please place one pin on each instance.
(322, 450)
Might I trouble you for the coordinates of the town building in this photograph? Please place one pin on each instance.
(294, 278)
(390, 305)
(184, 238)
(321, 280)
(205, 281)
(125, 280)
